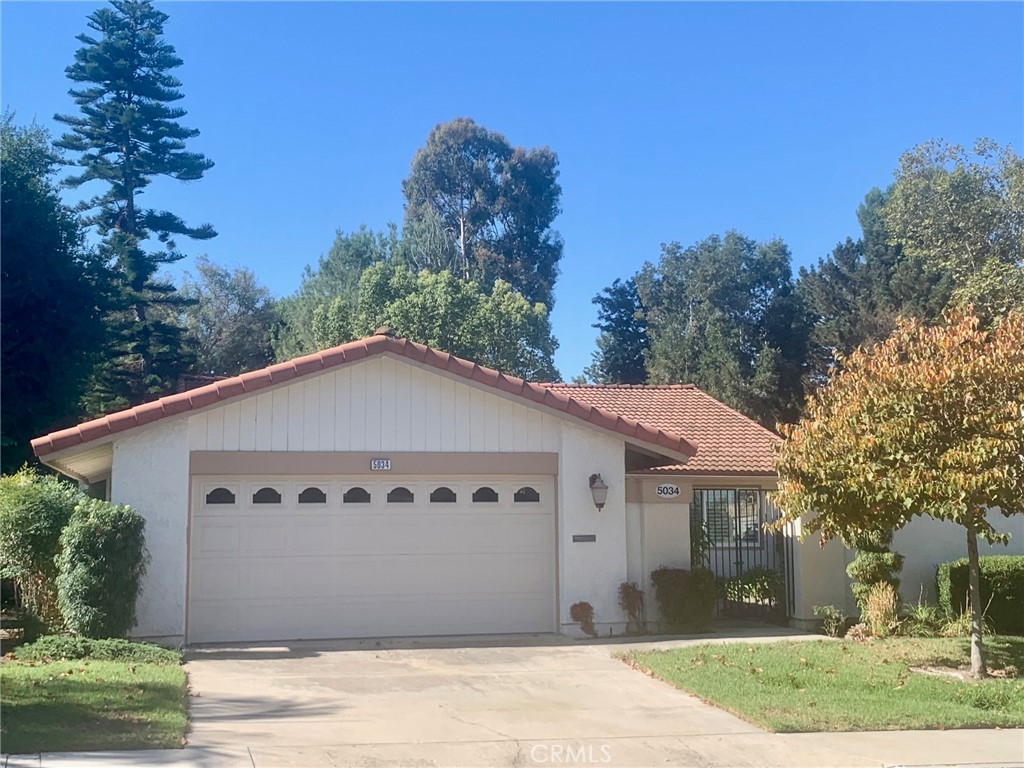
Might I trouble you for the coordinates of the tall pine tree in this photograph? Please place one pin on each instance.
(621, 347)
(127, 134)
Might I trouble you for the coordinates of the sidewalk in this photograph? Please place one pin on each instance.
(886, 749)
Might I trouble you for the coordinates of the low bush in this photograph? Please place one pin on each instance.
(32, 627)
(58, 647)
(583, 614)
(959, 625)
(1002, 590)
(34, 509)
(833, 619)
(101, 563)
(922, 620)
(631, 601)
(686, 598)
(759, 585)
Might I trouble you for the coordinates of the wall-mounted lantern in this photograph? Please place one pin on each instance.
(598, 490)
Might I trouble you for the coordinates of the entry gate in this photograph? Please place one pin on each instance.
(752, 566)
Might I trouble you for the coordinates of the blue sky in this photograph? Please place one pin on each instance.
(671, 121)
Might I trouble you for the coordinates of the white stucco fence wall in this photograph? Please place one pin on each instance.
(150, 472)
(925, 543)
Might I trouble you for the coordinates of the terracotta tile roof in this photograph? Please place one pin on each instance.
(380, 343)
(728, 443)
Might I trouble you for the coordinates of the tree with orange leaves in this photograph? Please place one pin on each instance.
(928, 422)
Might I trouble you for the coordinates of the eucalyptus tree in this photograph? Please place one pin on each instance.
(494, 204)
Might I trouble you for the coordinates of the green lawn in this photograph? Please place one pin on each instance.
(85, 704)
(846, 686)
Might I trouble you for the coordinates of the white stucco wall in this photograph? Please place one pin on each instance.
(150, 472)
(635, 564)
(925, 543)
(657, 534)
(819, 577)
(591, 571)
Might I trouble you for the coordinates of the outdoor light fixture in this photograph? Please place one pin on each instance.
(599, 490)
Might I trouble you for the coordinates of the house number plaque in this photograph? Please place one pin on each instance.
(380, 465)
(666, 491)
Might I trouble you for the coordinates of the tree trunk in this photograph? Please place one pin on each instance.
(978, 668)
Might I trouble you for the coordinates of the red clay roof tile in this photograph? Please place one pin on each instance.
(227, 389)
(728, 443)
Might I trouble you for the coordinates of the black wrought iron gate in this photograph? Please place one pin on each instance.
(752, 566)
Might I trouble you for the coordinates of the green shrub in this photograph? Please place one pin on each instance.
(758, 585)
(1002, 590)
(922, 619)
(34, 509)
(833, 619)
(960, 624)
(874, 563)
(57, 647)
(102, 560)
(686, 598)
(32, 627)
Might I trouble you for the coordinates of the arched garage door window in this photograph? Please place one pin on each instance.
(526, 495)
(312, 495)
(443, 495)
(356, 496)
(266, 496)
(220, 496)
(400, 495)
(486, 495)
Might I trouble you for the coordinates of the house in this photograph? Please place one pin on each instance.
(383, 488)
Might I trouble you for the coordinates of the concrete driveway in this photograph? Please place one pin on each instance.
(509, 702)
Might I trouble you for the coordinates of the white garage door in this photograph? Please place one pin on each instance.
(284, 559)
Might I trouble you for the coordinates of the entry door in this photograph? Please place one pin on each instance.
(281, 559)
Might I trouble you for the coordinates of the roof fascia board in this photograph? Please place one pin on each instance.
(715, 479)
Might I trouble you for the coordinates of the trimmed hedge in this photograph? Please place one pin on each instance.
(686, 599)
(1002, 582)
(58, 647)
(101, 564)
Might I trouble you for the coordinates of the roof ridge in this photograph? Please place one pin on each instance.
(585, 385)
(380, 343)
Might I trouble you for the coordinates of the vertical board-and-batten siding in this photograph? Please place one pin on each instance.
(382, 404)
